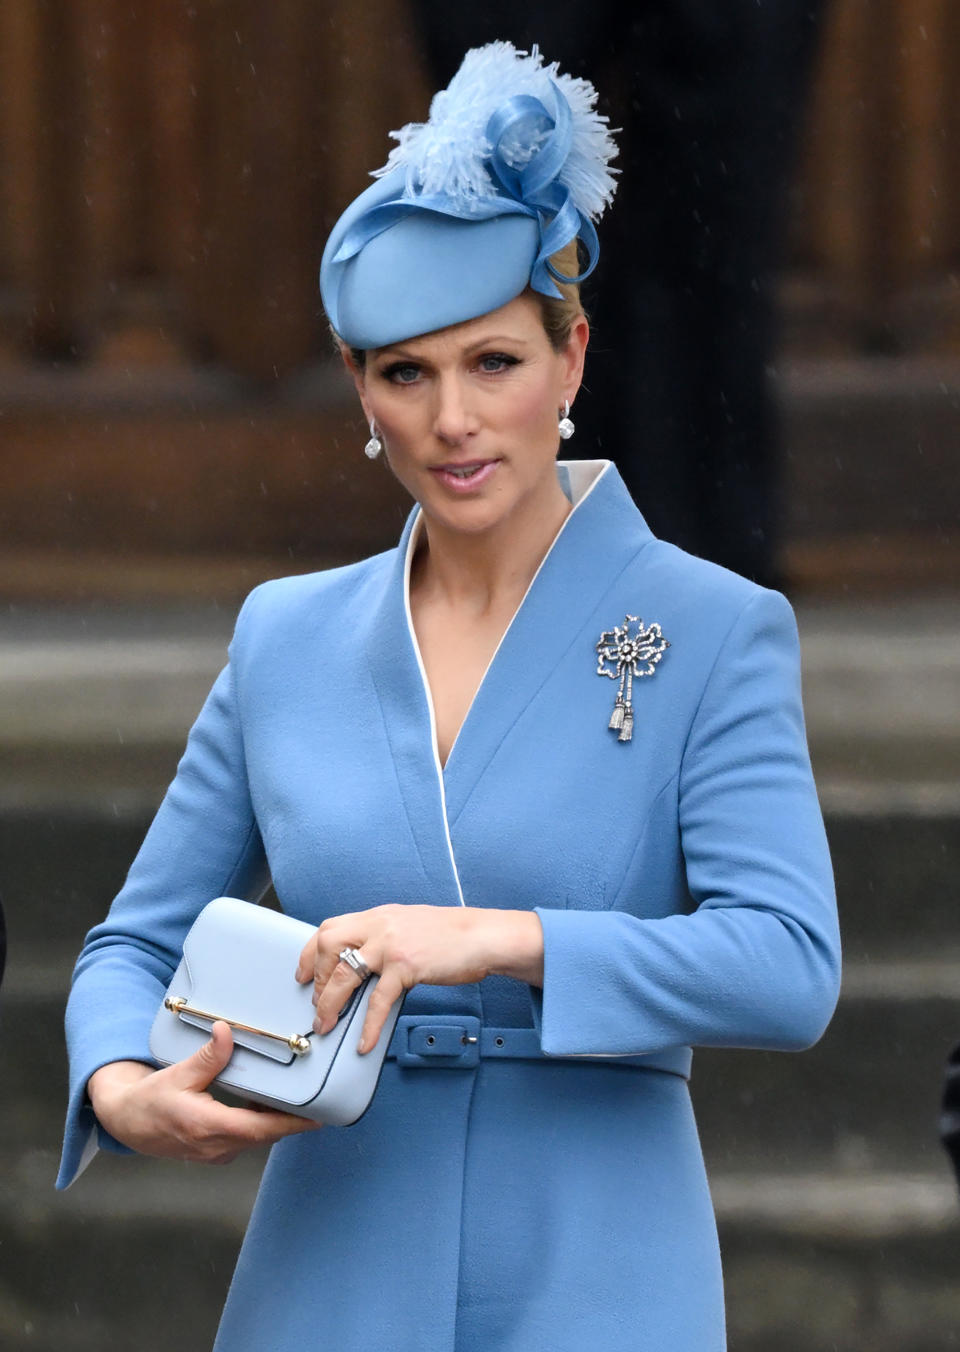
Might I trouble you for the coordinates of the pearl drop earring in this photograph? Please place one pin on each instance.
(374, 446)
(565, 426)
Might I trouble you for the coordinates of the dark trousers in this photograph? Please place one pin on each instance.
(708, 98)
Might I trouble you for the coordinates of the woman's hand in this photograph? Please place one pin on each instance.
(169, 1113)
(407, 945)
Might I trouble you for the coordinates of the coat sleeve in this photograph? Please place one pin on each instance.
(756, 963)
(203, 843)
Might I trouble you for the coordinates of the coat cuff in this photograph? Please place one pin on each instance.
(565, 1025)
(97, 1042)
(83, 1135)
(589, 1004)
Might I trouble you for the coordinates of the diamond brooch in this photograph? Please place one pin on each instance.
(631, 650)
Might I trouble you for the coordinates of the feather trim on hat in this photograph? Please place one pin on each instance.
(448, 154)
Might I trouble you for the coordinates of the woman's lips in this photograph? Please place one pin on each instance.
(465, 477)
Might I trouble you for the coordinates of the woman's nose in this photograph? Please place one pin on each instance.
(453, 421)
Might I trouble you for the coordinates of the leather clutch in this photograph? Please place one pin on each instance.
(238, 965)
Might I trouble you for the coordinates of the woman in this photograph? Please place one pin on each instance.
(575, 878)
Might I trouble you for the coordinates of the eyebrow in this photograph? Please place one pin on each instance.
(488, 341)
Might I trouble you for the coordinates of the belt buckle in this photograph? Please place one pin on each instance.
(437, 1041)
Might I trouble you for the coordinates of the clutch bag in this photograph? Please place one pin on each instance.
(238, 965)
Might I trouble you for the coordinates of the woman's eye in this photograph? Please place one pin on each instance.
(496, 361)
(402, 373)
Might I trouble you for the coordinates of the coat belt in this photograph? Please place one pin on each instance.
(460, 1041)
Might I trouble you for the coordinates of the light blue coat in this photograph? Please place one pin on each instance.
(684, 887)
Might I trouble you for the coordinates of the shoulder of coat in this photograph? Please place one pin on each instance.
(687, 594)
(289, 598)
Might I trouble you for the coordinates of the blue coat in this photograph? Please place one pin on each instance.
(684, 888)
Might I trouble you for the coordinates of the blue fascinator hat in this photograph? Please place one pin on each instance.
(513, 164)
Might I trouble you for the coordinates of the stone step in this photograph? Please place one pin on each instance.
(893, 864)
(822, 1262)
(869, 445)
(896, 862)
(867, 1097)
(880, 692)
(139, 1254)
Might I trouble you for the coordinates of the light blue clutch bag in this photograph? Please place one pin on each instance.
(238, 965)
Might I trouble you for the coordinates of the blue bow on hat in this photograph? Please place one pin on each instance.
(410, 256)
(531, 191)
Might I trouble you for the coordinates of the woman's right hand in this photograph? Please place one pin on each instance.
(170, 1113)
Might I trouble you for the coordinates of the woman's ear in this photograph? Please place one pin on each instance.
(573, 356)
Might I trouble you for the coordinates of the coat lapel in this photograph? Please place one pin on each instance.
(599, 538)
(408, 720)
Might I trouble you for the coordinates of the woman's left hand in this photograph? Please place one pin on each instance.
(407, 945)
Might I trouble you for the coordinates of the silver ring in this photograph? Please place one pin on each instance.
(351, 956)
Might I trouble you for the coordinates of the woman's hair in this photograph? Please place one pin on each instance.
(558, 315)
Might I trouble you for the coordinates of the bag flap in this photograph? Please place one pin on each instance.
(240, 962)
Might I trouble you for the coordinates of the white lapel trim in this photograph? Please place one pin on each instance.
(582, 476)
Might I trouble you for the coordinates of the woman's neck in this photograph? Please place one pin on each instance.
(490, 570)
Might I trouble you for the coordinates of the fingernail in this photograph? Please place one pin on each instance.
(362, 1045)
(313, 999)
(318, 1025)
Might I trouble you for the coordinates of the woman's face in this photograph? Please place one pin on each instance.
(468, 415)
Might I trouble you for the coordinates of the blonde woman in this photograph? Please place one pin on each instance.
(541, 772)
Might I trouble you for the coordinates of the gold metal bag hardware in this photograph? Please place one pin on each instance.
(298, 1044)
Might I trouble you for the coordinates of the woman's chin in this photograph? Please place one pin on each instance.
(469, 517)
